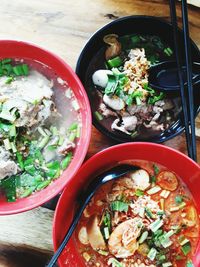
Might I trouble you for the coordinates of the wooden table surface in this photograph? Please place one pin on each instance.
(63, 26)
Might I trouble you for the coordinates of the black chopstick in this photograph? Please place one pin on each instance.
(189, 76)
(191, 142)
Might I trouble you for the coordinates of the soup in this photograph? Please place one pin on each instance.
(40, 126)
(121, 98)
(145, 218)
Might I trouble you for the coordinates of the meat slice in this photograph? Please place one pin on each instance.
(126, 125)
(45, 110)
(66, 147)
(106, 112)
(7, 168)
(27, 100)
(114, 102)
(143, 111)
(94, 234)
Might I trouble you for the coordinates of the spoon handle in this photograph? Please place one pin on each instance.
(83, 203)
(86, 197)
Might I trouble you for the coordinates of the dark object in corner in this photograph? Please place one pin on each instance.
(13, 256)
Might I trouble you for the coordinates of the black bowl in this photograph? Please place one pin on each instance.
(140, 25)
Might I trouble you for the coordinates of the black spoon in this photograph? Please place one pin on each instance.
(103, 178)
(164, 76)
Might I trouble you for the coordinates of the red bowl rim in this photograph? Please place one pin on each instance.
(99, 154)
(86, 142)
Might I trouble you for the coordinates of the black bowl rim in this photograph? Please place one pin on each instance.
(97, 125)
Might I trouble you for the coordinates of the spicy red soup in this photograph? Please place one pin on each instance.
(146, 218)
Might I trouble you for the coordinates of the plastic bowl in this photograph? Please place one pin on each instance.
(187, 169)
(130, 25)
(18, 49)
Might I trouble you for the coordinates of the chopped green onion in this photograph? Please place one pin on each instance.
(156, 169)
(166, 242)
(47, 132)
(7, 144)
(143, 237)
(13, 147)
(53, 169)
(7, 69)
(178, 199)
(138, 100)
(153, 179)
(43, 184)
(5, 61)
(42, 132)
(168, 51)
(134, 134)
(30, 169)
(73, 126)
(168, 234)
(182, 205)
(164, 239)
(139, 193)
(20, 160)
(12, 131)
(116, 72)
(156, 225)
(152, 254)
(149, 213)
(154, 99)
(27, 192)
(186, 248)
(66, 161)
(161, 258)
(72, 136)
(98, 116)
(107, 220)
(183, 240)
(111, 85)
(61, 140)
(78, 131)
(51, 148)
(165, 193)
(114, 62)
(119, 206)
(43, 142)
(25, 69)
(9, 80)
(54, 130)
(18, 71)
(154, 190)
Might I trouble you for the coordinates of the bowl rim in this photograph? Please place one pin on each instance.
(101, 128)
(86, 142)
(102, 153)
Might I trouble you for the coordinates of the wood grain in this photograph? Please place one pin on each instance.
(63, 26)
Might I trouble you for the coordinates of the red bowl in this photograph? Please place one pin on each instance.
(188, 170)
(18, 49)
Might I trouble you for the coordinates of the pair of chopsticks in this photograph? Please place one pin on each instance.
(187, 96)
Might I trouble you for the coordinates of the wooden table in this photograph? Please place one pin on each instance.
(63, 26)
